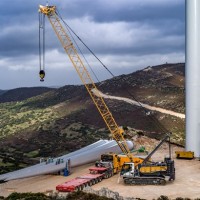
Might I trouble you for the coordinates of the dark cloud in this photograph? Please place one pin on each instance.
(20, 18)
(132, 12)
(111, 28)
(128, 10)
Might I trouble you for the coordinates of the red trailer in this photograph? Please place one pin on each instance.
(79, 183)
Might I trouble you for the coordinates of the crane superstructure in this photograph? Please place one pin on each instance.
(116, 131)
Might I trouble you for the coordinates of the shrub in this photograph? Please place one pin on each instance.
(86, 196)
(162, 197)
(27, 196)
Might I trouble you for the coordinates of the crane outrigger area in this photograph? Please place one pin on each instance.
(142, 171)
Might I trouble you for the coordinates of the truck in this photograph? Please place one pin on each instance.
(118, 160)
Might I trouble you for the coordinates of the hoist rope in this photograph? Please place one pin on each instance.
(42, 41)
(156, 122)
(84, 44)
(68, 29)
(39, 15)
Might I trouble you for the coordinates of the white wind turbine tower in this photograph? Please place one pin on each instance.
(193, 76)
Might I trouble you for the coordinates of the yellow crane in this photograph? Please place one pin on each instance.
(135, 170)
(116, 131)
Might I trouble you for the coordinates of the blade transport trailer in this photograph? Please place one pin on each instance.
(79, 183)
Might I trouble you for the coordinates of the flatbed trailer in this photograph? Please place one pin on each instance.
(79, 183)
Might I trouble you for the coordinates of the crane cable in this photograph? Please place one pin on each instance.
(69, 28)
(156, 122)
(42, 46)
(69, 31)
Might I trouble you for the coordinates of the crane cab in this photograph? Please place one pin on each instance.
(128, 169)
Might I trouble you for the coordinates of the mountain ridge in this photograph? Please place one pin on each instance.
(20, 94)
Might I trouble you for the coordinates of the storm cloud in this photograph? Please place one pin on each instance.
(126, 35)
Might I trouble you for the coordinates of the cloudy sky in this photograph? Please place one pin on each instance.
(126, 35)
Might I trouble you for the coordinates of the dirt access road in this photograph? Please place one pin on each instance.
(187, 183)
(130, 101)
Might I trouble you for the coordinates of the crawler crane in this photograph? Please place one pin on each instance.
(149, 172)
(117, 132)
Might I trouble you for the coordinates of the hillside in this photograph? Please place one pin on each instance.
(2, 91)
(20, 94)
(51, 123)
(161, 86)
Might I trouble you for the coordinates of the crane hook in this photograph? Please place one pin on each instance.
(42, 75)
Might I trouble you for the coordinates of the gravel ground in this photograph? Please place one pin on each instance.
(187, 183)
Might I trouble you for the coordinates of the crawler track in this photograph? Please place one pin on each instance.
(145, 181)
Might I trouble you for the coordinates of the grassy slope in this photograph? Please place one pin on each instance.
(43, 126)
(160, 86)
(51, 123)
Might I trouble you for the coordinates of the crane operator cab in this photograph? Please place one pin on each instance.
(42, 75)
(127, 169)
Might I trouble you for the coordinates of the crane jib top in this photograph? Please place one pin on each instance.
(63, 36)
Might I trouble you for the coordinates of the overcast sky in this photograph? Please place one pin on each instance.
(126, 35)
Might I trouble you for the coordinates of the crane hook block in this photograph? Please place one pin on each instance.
(42, 75)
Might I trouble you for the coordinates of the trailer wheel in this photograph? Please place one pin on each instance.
(100, 179)
(77, 189)
(108, 175)
(96, 180)
(93, 182)
(90, 183)
(82, 187)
